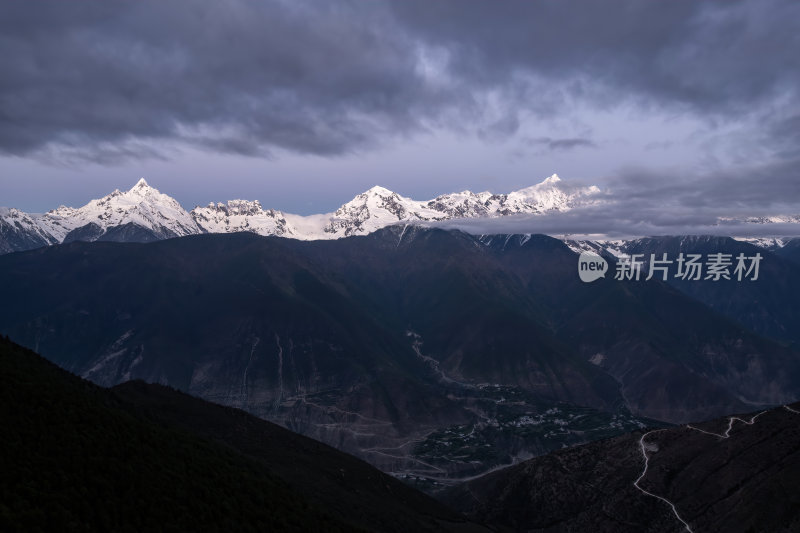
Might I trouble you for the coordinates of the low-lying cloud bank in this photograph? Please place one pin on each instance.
(581, 225)
(754, 201)
(644, 202)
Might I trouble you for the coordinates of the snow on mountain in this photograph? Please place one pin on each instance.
(142, 206)
(21, 221)
(621, 248)
(464, 204)
(143, 213)
(241, 215)
(367, 212)
(769, 243)
(374, 209)
(548, 195)
(379, 207)
(615, 247)
(58, 223)
(20, 231)
(774, 219)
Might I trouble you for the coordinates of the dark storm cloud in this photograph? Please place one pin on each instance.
(769, 186)
(784, 136)
(712, 55)
(99, 78)
(237, 76)
(562, 144)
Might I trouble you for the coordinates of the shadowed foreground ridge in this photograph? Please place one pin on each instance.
(734, 474)
(77, 457)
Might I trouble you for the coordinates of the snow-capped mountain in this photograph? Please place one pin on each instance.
(144, 214)
(140, 214)
(374, 209)
(20, 231)
(543, 197)
(241, 215)
(379, 207)
(142, 207)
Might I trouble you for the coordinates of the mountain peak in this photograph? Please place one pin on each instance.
(146, 207)
(552, 180)
(377, 189)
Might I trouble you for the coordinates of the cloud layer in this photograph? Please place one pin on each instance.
(233, 76)
(641, 202)
(111, 82)
(129, 77)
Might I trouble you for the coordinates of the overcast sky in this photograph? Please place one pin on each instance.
(678, 110)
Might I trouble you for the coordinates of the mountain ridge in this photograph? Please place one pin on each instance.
(151, 215)
(144, 214)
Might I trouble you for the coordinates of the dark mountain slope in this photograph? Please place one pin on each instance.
(743, 483)
(73, 458)
(467, 310)
(790, 251)
(675, 358)
(144, 457)
(314, 335)
(374, 344)
(128, 232)
(767, 305)
(239, 319)
(353, 490)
